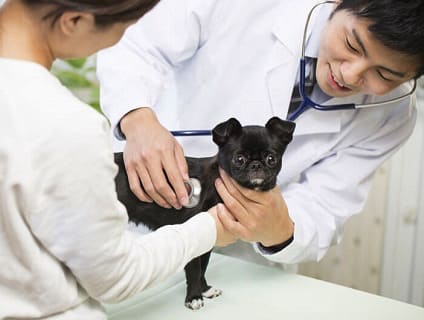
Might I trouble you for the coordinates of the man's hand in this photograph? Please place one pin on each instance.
(254, 215)
(154, 157)
(223, 236)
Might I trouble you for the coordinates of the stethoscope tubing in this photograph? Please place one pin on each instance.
(307, 103)
(186, 133)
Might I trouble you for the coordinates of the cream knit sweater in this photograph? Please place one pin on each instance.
(64, 241)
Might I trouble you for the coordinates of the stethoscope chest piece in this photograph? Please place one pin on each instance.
(194, 189)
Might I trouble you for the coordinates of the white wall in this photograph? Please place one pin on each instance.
(403, 263)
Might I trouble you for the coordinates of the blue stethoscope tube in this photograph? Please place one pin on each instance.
(183, 133)
(307, 103)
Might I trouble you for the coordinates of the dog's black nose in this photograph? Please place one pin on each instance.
(255, 165)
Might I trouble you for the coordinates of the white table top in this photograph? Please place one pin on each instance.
(252, 291)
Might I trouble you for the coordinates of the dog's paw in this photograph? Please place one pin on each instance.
(212, 293)
(194, 304)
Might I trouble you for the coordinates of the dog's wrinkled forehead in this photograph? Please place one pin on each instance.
(254, 137)
(276, 132)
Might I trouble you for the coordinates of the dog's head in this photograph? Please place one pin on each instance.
(251, 155)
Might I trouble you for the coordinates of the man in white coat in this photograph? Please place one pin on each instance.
(191, 64)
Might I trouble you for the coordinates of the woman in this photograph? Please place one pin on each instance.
(63, 239)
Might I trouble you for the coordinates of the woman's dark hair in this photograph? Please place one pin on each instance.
(106, 12)
(398, 24)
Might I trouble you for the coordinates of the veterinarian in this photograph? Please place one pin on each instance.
(64, 243)
(190, 64)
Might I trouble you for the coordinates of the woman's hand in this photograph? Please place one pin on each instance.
(223, 236)
(254, 215)
(154, 160)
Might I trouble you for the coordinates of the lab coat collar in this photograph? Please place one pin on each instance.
(284, 56)
(294, 16)
(284, 64)
(314, 121)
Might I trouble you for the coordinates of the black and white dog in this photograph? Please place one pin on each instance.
(251, 155)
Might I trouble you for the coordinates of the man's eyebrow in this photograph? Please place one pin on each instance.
(361, 44)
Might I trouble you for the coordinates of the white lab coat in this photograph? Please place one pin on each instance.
(200, 62)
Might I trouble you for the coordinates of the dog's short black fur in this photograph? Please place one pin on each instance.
(251, 155)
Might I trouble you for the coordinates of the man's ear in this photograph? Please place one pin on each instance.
(76, 23)
(222, 132)
(282, 129)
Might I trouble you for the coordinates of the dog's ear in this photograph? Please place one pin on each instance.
(224, 130)
(283, 129)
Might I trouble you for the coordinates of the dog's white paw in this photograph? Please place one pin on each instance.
(195, 304)
(212, 293)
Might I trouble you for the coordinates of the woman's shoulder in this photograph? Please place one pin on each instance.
(46, 111)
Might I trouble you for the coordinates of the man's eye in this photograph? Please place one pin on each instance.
(350, 47)
(383, 77)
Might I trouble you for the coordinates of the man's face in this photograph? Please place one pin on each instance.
(351, 60)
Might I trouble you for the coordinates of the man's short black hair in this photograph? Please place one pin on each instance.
(398, 24)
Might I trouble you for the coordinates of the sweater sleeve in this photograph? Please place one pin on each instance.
(80, 221)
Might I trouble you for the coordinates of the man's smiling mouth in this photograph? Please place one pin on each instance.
(335, 83)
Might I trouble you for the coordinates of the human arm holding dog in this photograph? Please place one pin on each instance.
(254, 216)
(319, 202)
(143, 126)
(153, 157)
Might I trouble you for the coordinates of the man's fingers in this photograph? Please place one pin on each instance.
(135, 186)
(229, 222)
(231, 186)
(175, 178)
(181, 162)
(150, 188)
(232, 204)
(240, 192)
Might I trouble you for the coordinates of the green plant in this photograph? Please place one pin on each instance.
(79, 75)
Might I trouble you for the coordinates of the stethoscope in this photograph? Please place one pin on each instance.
(307, 102)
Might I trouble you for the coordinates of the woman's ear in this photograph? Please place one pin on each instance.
(76, 23)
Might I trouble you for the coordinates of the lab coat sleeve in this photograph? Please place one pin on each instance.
(81, 222)
(336, 187)
(133, 73)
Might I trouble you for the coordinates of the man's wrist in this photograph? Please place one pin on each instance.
(278, 247)
(281, 245)
(133, 119)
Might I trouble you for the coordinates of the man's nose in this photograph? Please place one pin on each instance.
(353, 72)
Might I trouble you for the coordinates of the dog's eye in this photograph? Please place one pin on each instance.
(239, 160)
(271, 160)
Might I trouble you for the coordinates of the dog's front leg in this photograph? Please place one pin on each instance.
(193, 271)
